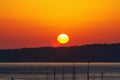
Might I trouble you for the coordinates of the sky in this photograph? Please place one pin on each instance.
(37, 23)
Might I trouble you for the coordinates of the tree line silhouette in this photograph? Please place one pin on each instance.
(85, 53)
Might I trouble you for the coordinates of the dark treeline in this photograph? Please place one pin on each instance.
(91, 53)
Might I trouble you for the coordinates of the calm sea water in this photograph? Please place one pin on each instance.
(59, 71)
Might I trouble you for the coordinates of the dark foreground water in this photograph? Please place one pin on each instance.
(59, 71)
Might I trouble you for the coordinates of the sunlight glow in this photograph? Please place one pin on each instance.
(63, 38)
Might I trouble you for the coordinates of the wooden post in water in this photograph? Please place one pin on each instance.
(73, 70)
(102, 76)
(47, 73)
(12, 78)
(88, 72)
(63, 73)
(54, 73)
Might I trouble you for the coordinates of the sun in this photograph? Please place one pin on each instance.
(63, 38)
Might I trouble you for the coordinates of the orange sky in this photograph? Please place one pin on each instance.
(33, 23)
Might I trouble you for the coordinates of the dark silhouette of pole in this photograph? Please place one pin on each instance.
(102, 74)
(47, 74)
(12, 78)
(88, 71)
(73, 70)
(54, 73)
(63, 73)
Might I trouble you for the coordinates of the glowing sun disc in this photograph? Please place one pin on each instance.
(63, 38)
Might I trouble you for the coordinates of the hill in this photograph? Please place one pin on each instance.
(91, 53)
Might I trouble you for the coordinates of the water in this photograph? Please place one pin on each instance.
(59, 71)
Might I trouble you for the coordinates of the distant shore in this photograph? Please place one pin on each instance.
(86, 53)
